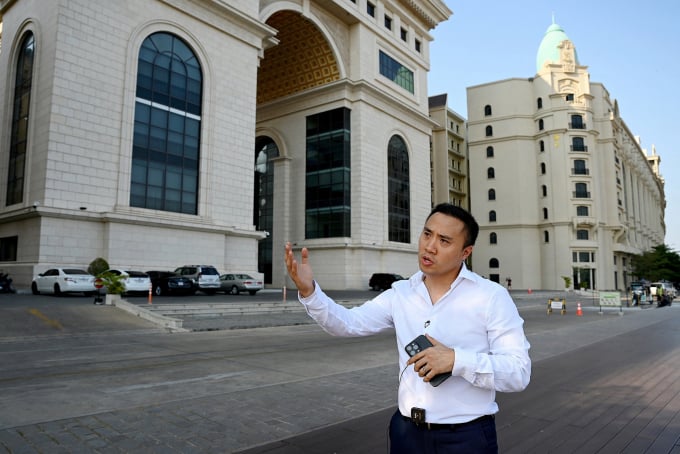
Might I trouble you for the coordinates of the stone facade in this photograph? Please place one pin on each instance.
(81, 127)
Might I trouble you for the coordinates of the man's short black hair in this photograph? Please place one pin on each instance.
(471, 226)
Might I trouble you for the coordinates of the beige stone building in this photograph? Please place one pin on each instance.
(157, 133)
(448, 158)
(559, 183)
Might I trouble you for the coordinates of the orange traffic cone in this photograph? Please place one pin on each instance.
(579, 311)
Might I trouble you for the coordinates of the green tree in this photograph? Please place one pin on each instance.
(659, 263)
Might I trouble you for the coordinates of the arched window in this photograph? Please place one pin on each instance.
(492, 216)
(545, 213)
(543, 168)
(489, 152)
(581, 210)
(23, 85)
(580, 167)
(487, 110)
(577, 122)
(581, 234)
(493, 263)
(539, 103)
(490, 173)
(493, 238)
(546, 236)
(492, 194)
(489, 131)
(542, 145)
(581, 191)
(544, 190)
(578, 144)
(399, 201)
(166, 144)
(541, 125)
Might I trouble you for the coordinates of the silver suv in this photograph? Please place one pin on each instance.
(205, 277)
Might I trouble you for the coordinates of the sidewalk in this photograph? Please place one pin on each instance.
(620, 394)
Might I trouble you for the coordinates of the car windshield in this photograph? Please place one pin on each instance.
(74, 271)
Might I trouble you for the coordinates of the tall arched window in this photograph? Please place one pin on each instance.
(493, 263)
(487, 110)
(165, 152)
(489, 152)
(544, 190)
(543, 168)
(492, 194)
(546, 236)
(541, 125)
(23, 84)
(493, 238)
(490, 173)
(539, 103)
(398, 191)
(542, 145)
(489, 131)
(545, 213)
(492, 216)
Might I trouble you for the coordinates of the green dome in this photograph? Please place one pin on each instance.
(548, 50)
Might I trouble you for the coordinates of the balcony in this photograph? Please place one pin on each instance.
(579, 147)
(581, 194)
(577, 125)
(580, 171)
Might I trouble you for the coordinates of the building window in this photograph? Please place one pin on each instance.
(541, 125)
(396, 72)
(370, 9)
(8, 248)
(545, 213)
(544, 190)
(543, 168)
(23, 86)
(581, 234)
(541, 145)
(399, 198)
(492, 194)
(539, 103)
(569, 97)
(489, 152)
(581, 191)
(546, 236)
(583, 257)
(327, 189)
(493, 263)
(578, 144)
(493, 238)
(166, 144)
(579, 167)
(417, 45)
(492, 216)
(581, 210)
(490, 173)
(388, 22)
(487, 110)
(489, 131)
(404, 34)
(577, 122)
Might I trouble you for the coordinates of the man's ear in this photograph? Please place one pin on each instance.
(467, 251)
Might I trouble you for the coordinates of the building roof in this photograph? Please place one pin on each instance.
(549, 51)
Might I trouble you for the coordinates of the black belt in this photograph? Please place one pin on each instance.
(433, 426)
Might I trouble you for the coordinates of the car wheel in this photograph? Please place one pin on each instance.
(234, 290)
(158, 290)
(34, 289)
(57, 290)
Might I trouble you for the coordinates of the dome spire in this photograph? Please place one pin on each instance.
(551, 45)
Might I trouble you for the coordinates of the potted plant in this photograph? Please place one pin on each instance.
(113, 283)
(567, 283)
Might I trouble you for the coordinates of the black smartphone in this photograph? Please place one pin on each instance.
(419, 344)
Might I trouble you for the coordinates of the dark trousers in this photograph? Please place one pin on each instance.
(478, 437)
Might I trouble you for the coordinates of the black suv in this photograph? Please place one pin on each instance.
(383, 281)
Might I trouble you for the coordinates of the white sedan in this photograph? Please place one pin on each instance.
(63, 280)
(134, 281)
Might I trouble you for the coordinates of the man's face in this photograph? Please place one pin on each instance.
(441, 248)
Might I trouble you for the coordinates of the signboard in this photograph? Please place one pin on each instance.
(610, 299)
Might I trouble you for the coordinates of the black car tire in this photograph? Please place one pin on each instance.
(34, 289)
(158, 290)
(57, 290)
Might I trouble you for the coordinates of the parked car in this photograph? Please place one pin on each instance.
(63, 280)
(170, 283)
(383, 281)
(668, 289)
(235, 283)
(639, 293)
(205, 277)
(133, 281)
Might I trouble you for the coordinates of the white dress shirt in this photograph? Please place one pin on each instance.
(476, 317)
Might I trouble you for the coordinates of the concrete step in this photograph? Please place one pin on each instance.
(225, 309)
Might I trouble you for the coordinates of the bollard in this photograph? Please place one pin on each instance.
(150, 294)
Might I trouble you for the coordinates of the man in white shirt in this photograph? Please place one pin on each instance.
(473, 324)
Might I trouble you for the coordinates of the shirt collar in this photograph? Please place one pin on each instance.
(417, 279)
